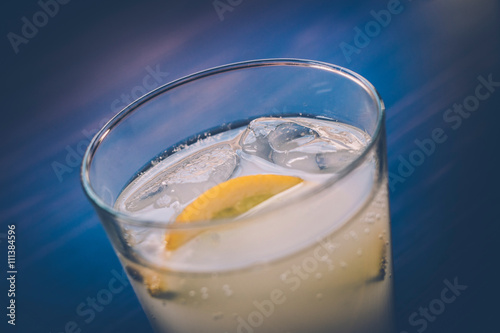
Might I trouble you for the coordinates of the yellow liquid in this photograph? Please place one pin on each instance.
(322, 264)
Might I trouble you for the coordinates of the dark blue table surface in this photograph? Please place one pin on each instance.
(431, 61)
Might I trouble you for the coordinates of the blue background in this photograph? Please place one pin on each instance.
(76, 71)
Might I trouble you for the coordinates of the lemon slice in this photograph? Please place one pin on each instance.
(229, 199)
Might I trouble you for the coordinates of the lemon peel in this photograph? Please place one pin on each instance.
(227, 200)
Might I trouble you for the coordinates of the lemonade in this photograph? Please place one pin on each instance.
(285, 237)
(251, 197)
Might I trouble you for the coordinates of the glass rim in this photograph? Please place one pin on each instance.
(136, 221)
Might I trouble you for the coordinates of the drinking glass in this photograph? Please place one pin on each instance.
(318, 262)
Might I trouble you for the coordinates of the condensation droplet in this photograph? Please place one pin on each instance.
(192, 293)
(367, 230)
(380, 236)
(359, 252)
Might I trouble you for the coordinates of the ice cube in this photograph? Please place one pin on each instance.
(294, 146)
(185, 179)
(288, 136)
(329, 161)
(254, 140)
(309, 145)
